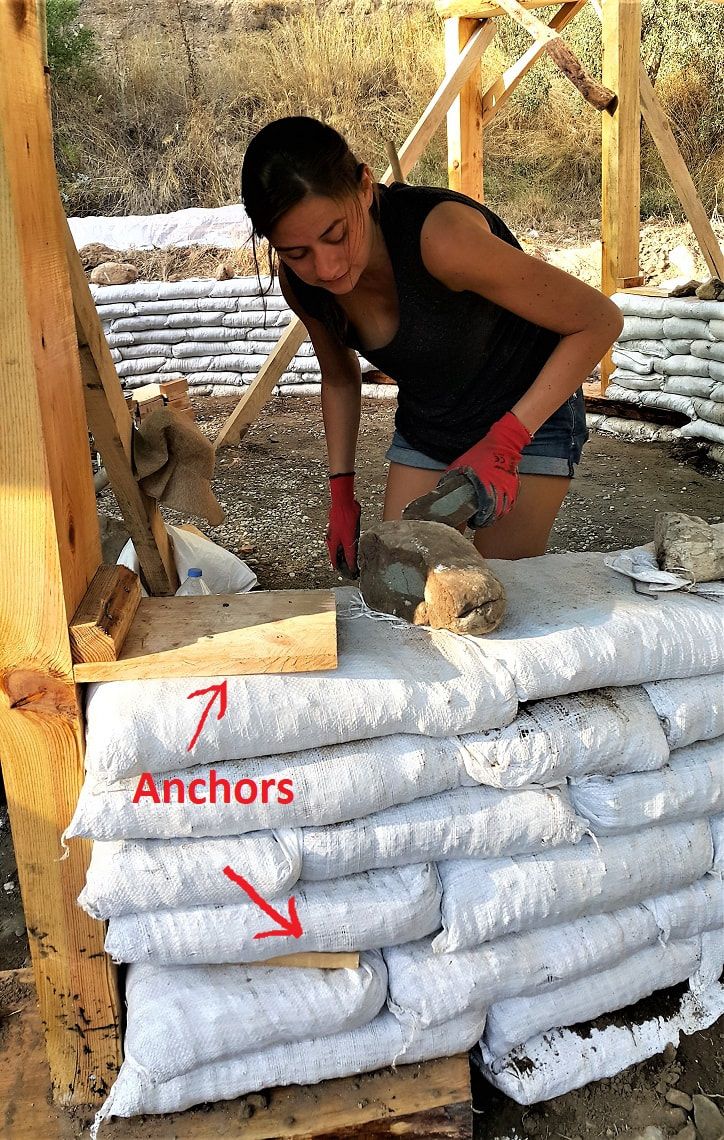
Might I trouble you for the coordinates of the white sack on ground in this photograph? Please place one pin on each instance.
(362, 912)
(484, 899)
(180, 1017)
(372, 1046)
(565, 1059)
(225, 226)
(511, 1023)
(389, 679)
(128, 876)
(340, 782)
(604, 731)
(483, 822)
(712, 960)
(427, 988)
(223, 572)
(691, 910)
(572, 623)
(691, 786)
(689, 710)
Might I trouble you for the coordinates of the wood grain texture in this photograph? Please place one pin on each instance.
(276, 631)
(294, 1112)
(49, 552)
(100, 624)
(314, 960)
(464, 119)
(482, 9)
(110, 421)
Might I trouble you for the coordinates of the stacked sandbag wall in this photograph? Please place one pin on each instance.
(671, 355)
(217, 334)
(520, 833)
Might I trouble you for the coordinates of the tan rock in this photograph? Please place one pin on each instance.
(711, 290)
(95, 253)
(114, 273)
(224, 272)
(680, 1099)
(688, 545)
(708, 1119)
(430, 575)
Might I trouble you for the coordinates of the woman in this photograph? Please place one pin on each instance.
(488, 346)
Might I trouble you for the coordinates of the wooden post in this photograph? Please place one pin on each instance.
(49, 552)
(464, 119)
(621, 153)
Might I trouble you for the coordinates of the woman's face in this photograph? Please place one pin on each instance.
(327, 242)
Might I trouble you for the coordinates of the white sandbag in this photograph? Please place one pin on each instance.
(117, 310)
(684, 366)
(296, 789)
(649, 347)
(482, 822)
(702, 429)
(565, 1059)
(512, 1022)
(427, 988)
(670, 401)
(687, 328)
(252, 320)
(362, 912)
(677, 347)
(372, 1046)
(139, 351)
(689, 911)
(691, 786)
(656, 399)
(631, 361)
(689, 710)
(707, 349)
(149, 337)
(138, 324)
(119, 340)
(140, 367)
(181, 1017)
(215, 333)
(717, 831)
(689, 386)
(682, 307)
(196, 349)
(640, 328)
(167, 306)
(193, 320)
(390, 679)
(128, 876)
(210, 380)
(716, 327)
(224, 572)
(709, 410)
(712, 961)
(716, 370)
(572, 623)
(603, 731)
(628, 379)
(487, 898)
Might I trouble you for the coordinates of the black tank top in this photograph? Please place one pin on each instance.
(460, 361)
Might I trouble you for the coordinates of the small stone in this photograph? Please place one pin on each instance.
(679, 1098)
(224, 272)
(245, 1110)
(662, 1086)
(688, 289)
(95, 253)
(708, 1119)
(114, 273)
(687, 1133)
(258, 1100)
(711, 290)
(672, 1116)
(670, 1053)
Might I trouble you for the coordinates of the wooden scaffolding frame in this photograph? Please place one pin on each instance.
(623, 96)
(57, 380)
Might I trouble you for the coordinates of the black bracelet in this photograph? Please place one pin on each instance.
(340, 474)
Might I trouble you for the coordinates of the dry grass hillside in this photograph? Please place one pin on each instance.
(156, 110)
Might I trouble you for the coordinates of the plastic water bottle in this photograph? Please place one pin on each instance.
(194, 586)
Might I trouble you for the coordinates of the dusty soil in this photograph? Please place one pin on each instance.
(273, 487)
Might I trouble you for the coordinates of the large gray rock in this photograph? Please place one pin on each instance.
(427, 573)
(688, 545)
(708, 1119)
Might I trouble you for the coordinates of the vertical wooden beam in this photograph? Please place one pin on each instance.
(465, 117)
(49, 551)
(621, 151)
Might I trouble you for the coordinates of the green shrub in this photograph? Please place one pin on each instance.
(71, 45)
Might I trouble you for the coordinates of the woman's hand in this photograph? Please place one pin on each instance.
(492, 467)
(344, 524)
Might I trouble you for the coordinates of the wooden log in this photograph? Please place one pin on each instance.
(564, 58)
(464, 119)
(497, 94)
(314, 960)
(394, 161)
(49, 552)
(620, 153)
(482, 9)
(103, 618)
(276, 631)
(111, 424)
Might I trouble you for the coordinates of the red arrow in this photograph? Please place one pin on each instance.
(289, 927)
(216, 691)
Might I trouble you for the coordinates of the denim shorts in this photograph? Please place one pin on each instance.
(555, 450)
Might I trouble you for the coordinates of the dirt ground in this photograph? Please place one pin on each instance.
(273, 487)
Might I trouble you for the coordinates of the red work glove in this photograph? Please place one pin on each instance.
(492, 467)
(343, 526)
